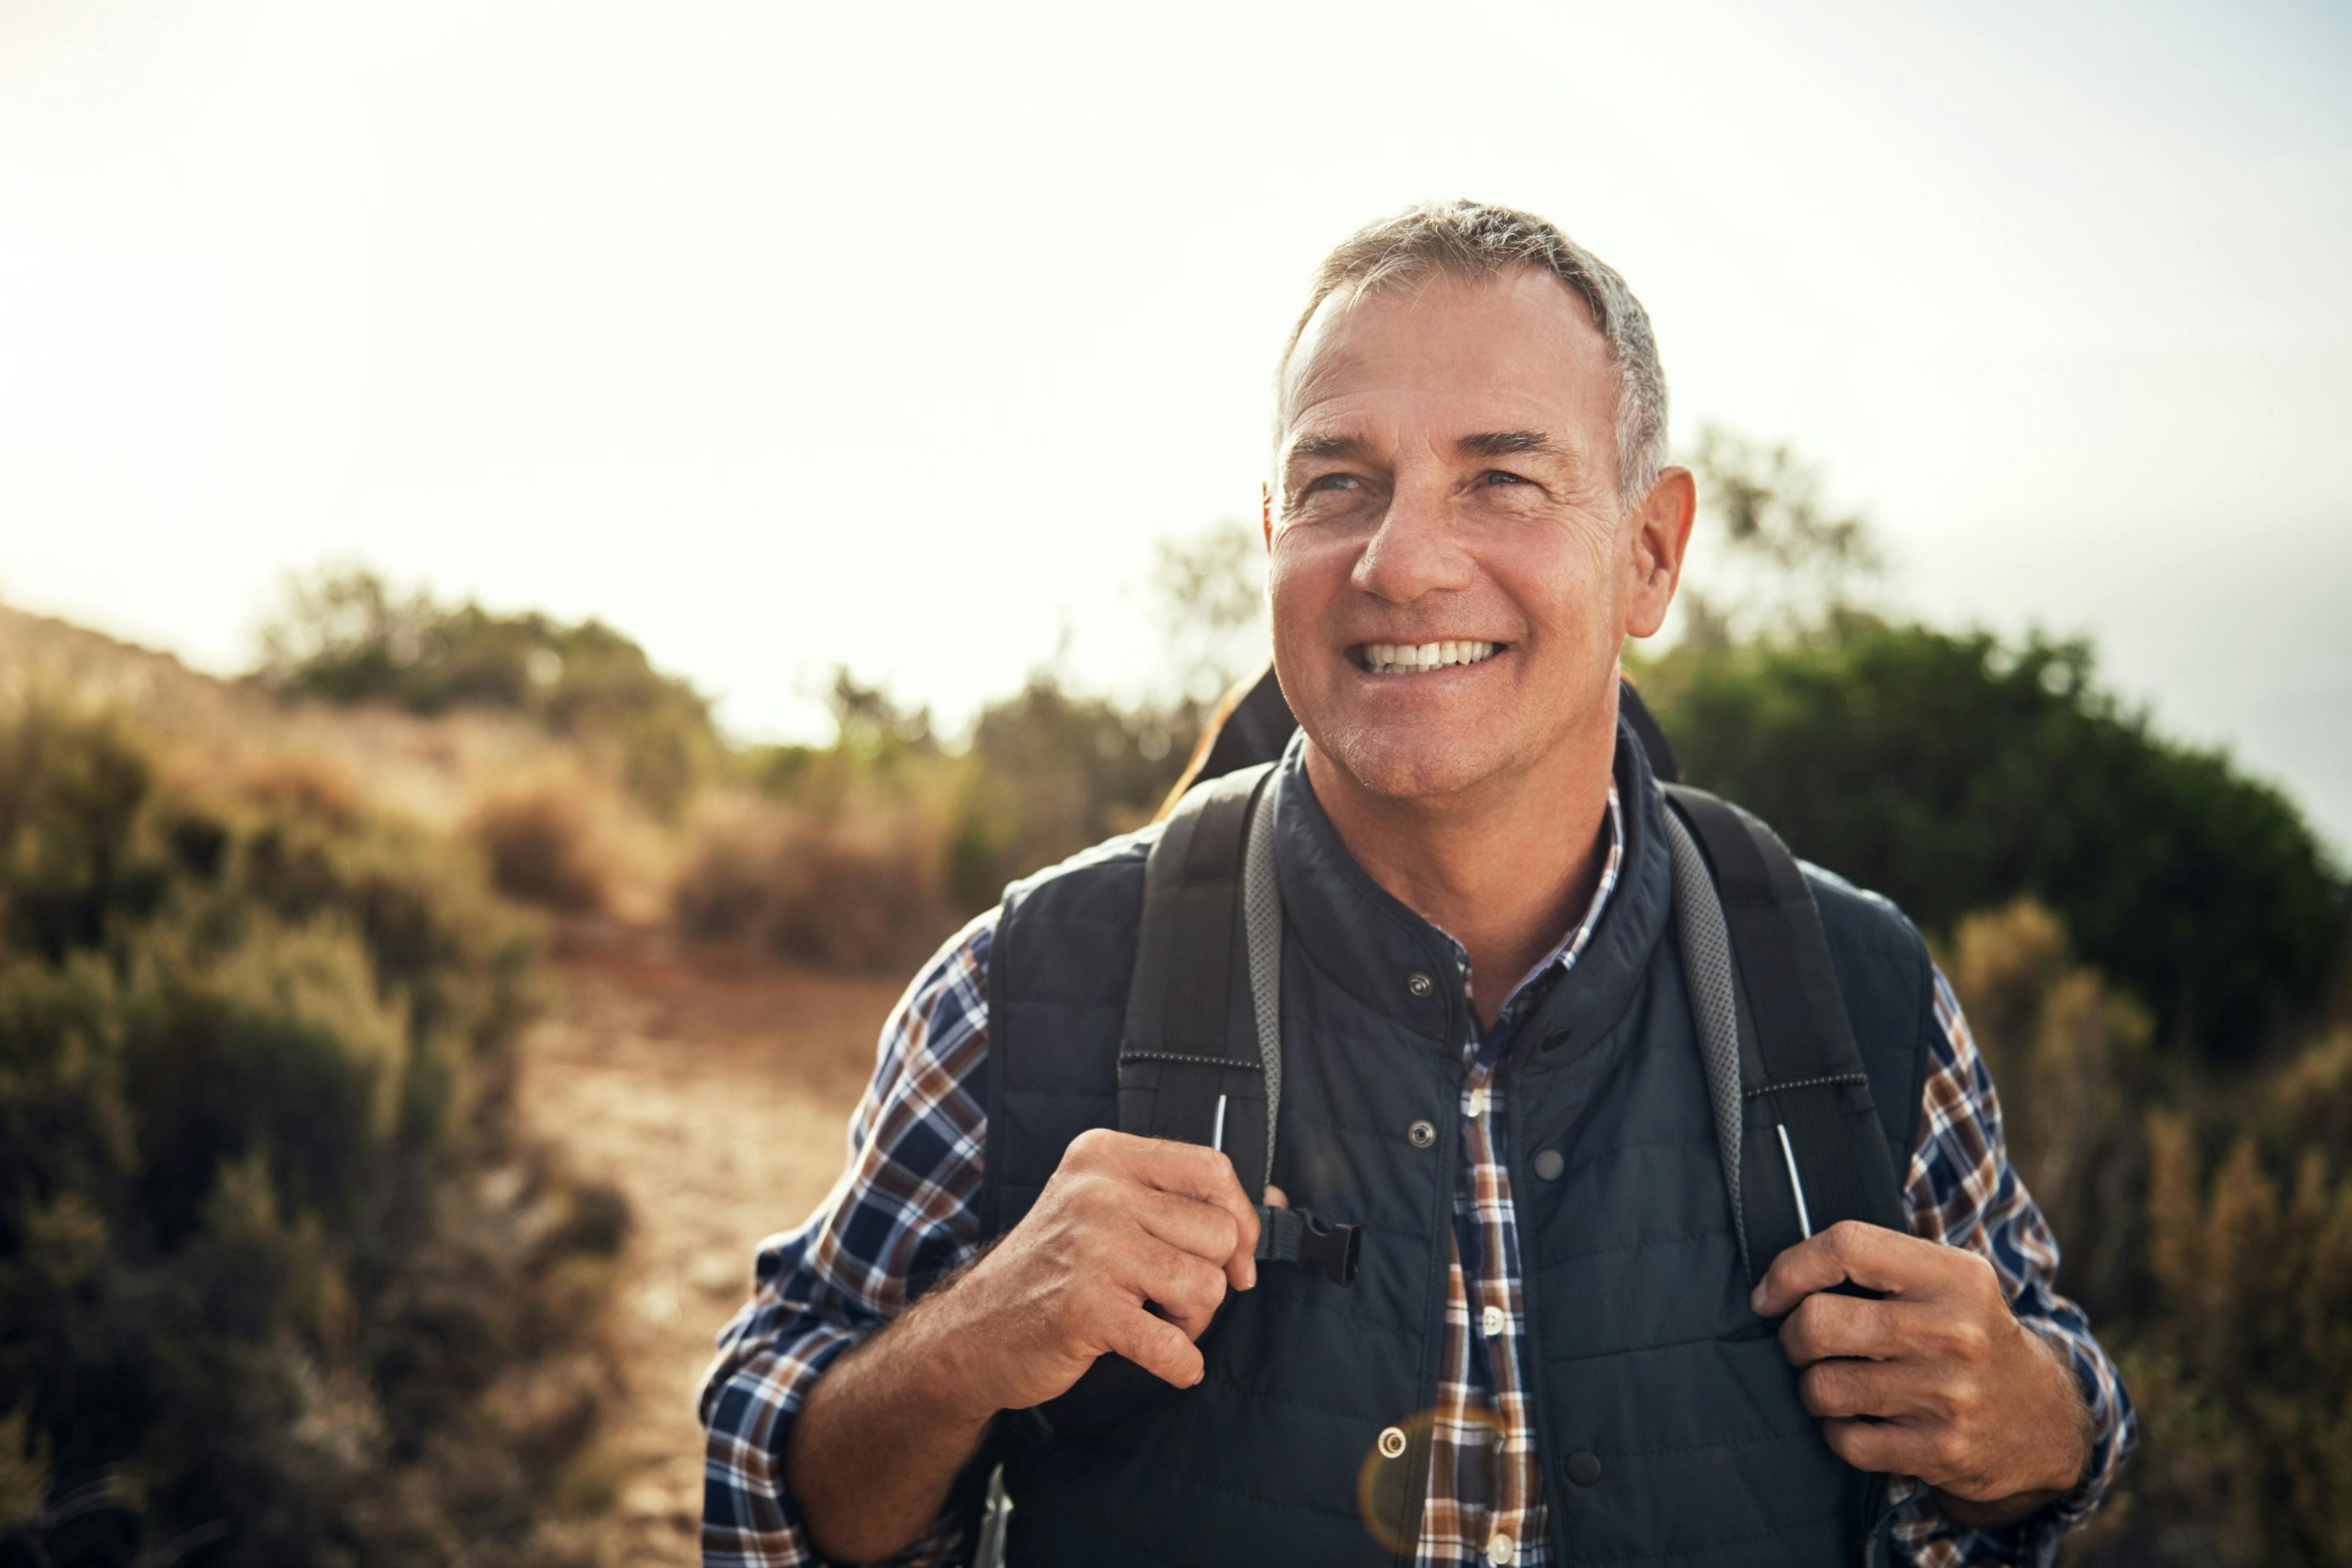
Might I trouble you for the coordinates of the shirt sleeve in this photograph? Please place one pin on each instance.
(1962, 1191)
(903, 1214)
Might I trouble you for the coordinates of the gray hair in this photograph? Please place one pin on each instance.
(1475, 240)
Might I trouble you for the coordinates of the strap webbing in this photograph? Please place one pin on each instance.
(1713, 989)
(1801, 1073)
(1202, 1057)
(1192, 1041)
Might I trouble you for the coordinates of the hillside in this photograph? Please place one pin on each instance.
(709, 1087)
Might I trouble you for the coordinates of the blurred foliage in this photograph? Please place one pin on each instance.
(866, 852)
(2206, 1223)
(278, 1285)
(1208, 604)
(541, 847)
(1771, 555)
(344, 636)
(1954, 771)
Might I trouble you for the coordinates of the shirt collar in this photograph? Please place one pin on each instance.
(1570, 946)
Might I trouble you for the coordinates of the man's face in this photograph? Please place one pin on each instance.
(1446, 474)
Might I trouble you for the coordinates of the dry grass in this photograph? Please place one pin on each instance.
(860, 892)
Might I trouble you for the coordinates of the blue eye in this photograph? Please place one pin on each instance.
(1329, 479)
(1497, 477)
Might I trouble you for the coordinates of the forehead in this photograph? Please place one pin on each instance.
(1489, 354)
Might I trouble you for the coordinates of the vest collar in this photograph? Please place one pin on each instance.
(1370, 944)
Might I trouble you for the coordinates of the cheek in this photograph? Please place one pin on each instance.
(1569, 589)
(1299, 579)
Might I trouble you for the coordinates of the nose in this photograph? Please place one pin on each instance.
(1415, 551)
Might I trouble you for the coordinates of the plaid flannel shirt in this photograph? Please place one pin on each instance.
(905, 1212)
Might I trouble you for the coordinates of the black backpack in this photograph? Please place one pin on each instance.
(1200, 1057)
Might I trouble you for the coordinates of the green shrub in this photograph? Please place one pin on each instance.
(258, 1298)
(1953, 773)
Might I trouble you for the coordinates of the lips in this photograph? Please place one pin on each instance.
(1415, 659)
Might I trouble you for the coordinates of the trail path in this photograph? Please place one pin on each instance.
(713, 1090)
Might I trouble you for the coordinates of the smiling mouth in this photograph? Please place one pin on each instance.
(1416, 659)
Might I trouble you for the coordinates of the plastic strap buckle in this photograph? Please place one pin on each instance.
(1296, 1235)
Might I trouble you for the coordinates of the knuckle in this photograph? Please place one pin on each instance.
(1800, 1330)
(1812, 1388)
(1850, 1441)
(1209, 1282)
(1847, 1237)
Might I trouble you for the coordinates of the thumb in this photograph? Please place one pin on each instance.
(1276, 1198)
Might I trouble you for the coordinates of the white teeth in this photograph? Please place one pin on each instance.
(1398, 658)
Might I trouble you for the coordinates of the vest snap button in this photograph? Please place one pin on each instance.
(1420, 984)
(1550, 1164)
(1422, 1134)
(1584, 1467)
(1392, 1442)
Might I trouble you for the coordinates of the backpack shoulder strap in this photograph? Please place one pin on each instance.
(1190, 1065)
(1200, 1049)
(1810, 1149)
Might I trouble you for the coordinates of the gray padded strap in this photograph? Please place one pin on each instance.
(1262, 927)
(1706, 974)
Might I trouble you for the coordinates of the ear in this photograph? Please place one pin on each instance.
(1661, 535)
(1266, 512)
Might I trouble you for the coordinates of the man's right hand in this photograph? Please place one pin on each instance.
(1126, 1225)
(1130, 1249)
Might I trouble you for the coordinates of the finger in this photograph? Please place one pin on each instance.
(1848, 1388)
(1193, 1171)
(1866, 1255)
(1276, 1198)
(1886, 1447)
(1204, 1230)
(1824, 1325)
(1156, 1345)
(1188, 1288)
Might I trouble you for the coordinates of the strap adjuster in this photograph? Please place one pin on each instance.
(1297, 1236)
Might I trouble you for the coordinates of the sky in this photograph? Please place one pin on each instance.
(784, 337)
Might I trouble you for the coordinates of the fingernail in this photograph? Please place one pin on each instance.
(1756, 1301)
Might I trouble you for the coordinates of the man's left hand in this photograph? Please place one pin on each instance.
(1937, 1379)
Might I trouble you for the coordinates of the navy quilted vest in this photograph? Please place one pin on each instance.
(1667, 1421)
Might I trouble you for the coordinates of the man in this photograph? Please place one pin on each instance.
(1553, 1353)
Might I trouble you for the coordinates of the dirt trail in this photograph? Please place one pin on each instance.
(713, 1090)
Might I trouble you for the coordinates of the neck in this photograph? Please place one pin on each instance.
(1503, 866)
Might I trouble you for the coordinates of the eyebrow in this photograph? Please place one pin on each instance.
(1510, 444)
(1309, 447)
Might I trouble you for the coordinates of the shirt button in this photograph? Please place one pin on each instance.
(1422, 1134)
(1478, 1102)
(1420, 984)
(1392, 1442)
(1501, 1548)
(1492, 1321)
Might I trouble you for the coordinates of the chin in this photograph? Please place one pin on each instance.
(1413, 762)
